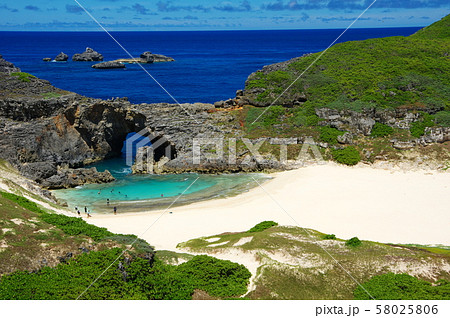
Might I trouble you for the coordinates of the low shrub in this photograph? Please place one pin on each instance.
(218, 278)
(24, 77)
(442, 118)
(329, 237)
(76, 226)
(353, 242)
(392, 286)
(381, 130)
(329, 135)
(23, 202)
(262, 226)
(132, 278)
(417, 128)
(305, 116)
(349, 156)
(267, 117)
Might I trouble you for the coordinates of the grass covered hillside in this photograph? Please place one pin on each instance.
(294, 263)
(44, 255)
(410, 72)
(377, 99)
(51, 256)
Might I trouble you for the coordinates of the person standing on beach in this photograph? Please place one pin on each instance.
(115, 210)
(85, 209)
(107, 202)
(79, 213)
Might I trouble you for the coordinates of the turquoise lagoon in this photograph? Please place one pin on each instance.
(135, 193)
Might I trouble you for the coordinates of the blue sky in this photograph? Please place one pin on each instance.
(149, 15)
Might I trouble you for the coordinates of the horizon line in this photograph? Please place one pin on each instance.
(217, 30)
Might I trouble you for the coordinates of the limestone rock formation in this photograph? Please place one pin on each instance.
(61, 57)
(108, 65)
(70, 178)
(88, 56)
(7, 67)
(43, 137)
(146, 58)
(149, 57)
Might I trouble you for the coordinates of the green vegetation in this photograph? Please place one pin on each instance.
(418, 128)
(51, 95)
(23, 202)
(349, 156)
(285, 273)
(76, 226)
(443, 118)
(305, 116)
(353, 242)
(139, 278)
(438, 30)
(392, 286)
(381, 130)
(344, 103)
(270, 118)
(24, 77)
(329, 237)
(135, 275)
(410, 72)
(329, 135)
(262, 226)
(69, 225)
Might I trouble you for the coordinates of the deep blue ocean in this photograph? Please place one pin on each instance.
(209, 66)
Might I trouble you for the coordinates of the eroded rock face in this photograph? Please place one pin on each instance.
(108, 65)
(362, 122)
(146, 58)
(149, 57)
(70, 178)
(88, 56)
(46, 137)
(434, 135)
(75, 135)
(7, 67)
(61, 57)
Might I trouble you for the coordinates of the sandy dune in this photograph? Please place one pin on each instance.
(373, 204)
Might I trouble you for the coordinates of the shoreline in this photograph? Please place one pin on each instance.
(378, 204)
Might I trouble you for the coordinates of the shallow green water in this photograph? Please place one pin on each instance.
(133, 193)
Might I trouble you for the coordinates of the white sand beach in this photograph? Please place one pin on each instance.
(370, 203)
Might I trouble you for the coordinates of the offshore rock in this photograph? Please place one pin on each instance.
(146, 58)
(61, 57)
(88, 56)
(47, 59)
(155, 58)
(108, 65)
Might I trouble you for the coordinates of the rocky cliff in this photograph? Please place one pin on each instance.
(46, 131)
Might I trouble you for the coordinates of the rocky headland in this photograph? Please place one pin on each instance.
(47, 132)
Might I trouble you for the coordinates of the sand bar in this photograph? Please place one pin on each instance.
(373, 204)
